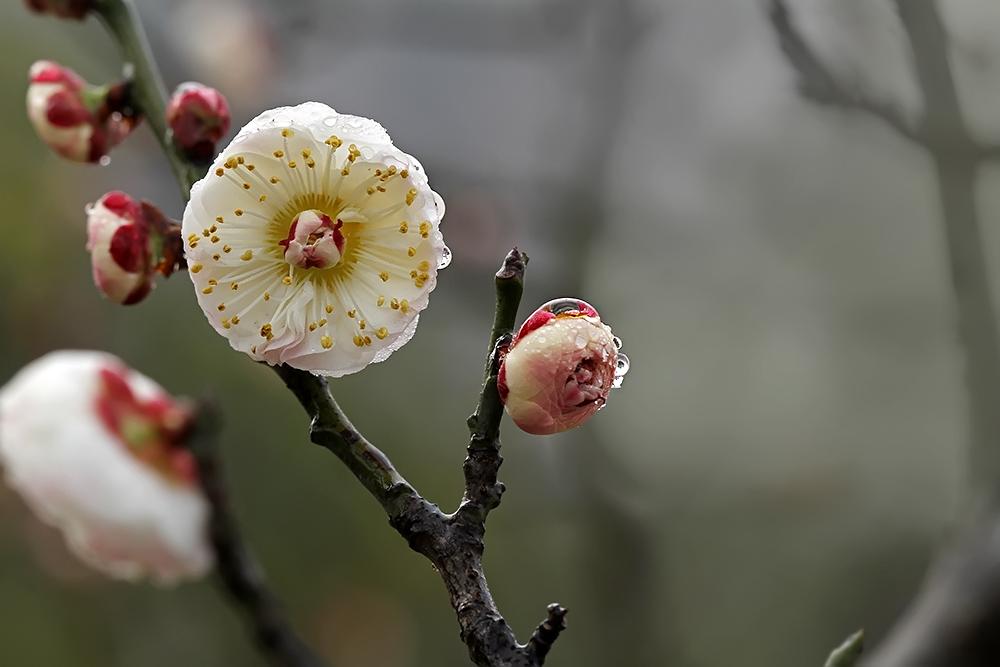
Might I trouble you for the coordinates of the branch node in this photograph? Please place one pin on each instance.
(513, 266)
(547, 632)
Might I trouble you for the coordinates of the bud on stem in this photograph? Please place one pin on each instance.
(130, 242)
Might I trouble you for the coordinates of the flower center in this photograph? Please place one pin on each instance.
(314, 240)
(585, 385)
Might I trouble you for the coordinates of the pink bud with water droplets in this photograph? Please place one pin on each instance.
(560, 367)
(198, 117)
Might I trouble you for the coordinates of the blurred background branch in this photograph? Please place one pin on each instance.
(235, 565)
(956, 618)
(955, 157)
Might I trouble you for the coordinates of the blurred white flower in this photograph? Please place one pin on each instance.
(560, 368)
(93, 447)
(313, 241)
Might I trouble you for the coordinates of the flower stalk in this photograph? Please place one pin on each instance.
(148, 92)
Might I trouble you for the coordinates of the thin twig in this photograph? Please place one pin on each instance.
(482, 490)
(548, 631)
(235, 566)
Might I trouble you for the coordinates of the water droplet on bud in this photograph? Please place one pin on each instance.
(105, 160)
(621, 369)
(618, 342)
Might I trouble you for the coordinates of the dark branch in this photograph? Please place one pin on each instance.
(818, 83)
(482, 490)
(548, 631)
(453, 543)
(955, 619)
(236, 568)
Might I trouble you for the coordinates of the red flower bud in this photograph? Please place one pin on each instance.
(118, 241)
(198, 116)
(79, 121)
(66, 9)
(130, 242)
(560, 367)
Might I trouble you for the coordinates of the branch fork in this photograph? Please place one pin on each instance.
(452, 542)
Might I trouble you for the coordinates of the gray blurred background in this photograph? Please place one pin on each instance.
(789, 448)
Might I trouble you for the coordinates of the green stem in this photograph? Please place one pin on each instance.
(849, 653)
(149, 93)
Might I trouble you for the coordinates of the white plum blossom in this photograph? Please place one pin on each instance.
(313, 241)
(93, 447)
(560, 367)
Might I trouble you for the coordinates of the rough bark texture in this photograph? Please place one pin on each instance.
(452, 542)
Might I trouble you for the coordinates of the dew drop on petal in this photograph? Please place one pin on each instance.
(621, 368)
(618, 342)
(330, 121)
(445, 258)
(581, 341)
(105, 160)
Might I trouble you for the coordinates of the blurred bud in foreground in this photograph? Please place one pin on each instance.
(96, 449)
(198, 116)
(66, 9)
(560, 367)
(78, 121)
(129, 243)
